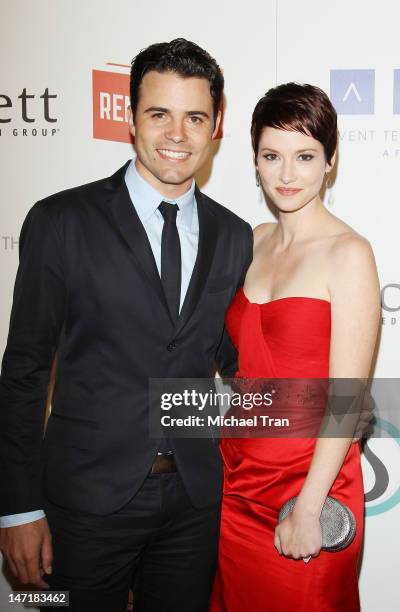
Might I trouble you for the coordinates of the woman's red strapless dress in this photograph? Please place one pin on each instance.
(284, 338)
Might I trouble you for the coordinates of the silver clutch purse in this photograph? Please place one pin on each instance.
(338, 524)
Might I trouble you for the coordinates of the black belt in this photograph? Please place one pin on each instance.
(164, 463)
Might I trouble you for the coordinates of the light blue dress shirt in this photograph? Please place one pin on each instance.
(146, 201)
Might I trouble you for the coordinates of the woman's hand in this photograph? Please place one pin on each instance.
(298, 536)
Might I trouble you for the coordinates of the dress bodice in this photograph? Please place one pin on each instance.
(284, 338)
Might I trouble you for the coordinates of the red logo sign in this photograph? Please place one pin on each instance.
(110, 106)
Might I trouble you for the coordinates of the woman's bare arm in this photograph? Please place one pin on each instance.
(355, 310)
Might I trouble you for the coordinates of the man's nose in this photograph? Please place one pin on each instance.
(176, 131)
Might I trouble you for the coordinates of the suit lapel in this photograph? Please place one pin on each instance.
(205, 254)
(124, 215)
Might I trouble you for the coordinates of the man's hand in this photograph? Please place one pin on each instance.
(28, 551)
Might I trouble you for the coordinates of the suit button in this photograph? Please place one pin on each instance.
(171, 346)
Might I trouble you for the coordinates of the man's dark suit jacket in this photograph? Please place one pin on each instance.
(88, 288)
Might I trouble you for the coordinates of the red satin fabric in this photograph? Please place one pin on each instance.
(285, 338)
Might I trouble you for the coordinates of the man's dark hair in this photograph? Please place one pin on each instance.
(183, 57)
(299, 108)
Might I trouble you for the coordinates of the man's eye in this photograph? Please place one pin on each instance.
(195, 119)
(306, 157)
(158, 115)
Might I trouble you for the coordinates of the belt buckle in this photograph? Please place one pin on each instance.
(164, 463)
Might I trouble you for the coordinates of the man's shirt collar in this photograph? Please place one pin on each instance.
(146, 199)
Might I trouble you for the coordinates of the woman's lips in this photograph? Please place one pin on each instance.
(287, 191)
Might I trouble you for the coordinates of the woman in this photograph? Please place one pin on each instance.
(309, 308)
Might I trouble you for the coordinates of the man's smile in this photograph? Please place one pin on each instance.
(174, 155)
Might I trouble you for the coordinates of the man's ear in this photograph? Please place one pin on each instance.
(131, 121)
(217, 124)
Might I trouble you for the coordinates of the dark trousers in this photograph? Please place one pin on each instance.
(159, 545)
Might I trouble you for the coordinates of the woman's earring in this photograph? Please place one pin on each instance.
(328, 186)
(257, 178)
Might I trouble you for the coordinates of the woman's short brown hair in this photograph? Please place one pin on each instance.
(298, 108)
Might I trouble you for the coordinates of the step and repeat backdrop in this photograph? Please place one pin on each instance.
(63, 122)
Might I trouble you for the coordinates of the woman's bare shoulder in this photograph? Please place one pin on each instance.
(351, 254)
(264, 230)
(349, 242)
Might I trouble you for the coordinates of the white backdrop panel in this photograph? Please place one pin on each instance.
(258, 44)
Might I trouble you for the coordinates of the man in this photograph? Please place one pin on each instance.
(126, 279)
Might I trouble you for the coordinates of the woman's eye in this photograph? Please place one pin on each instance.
(270, 156)
(306, 157)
